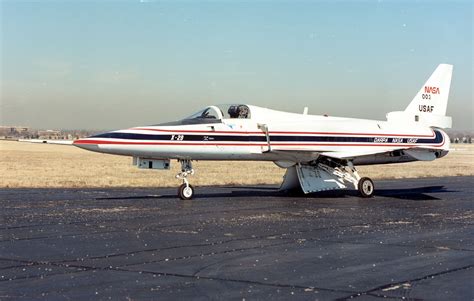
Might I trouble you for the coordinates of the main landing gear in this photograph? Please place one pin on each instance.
(338, 174)
(366, 187)
(185, 190)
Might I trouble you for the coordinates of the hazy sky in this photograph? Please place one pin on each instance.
(109, 64)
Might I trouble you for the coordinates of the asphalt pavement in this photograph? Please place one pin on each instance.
(413, 240)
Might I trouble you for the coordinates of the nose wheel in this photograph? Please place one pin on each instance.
(185, 190)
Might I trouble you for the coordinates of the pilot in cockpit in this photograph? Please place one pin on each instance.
(240, 111)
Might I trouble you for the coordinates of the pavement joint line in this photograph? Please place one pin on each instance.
(82, 268)
(40, 225)
(56, 236)
(208, 254)
(157, 250)
(384, 286)
(384, 296)
(289, 241)
(210, 243)
(15, 266)
(93, 233)
(208, 266)
(281, 285)
(388, 297)
(82, 222)
(44, 276)
(77, 223)
(29, 263)
(386, 244)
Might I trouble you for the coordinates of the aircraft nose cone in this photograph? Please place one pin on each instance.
(87, 144)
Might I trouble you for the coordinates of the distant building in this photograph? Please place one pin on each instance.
(11, 131)
(15, 132)
(50, 134)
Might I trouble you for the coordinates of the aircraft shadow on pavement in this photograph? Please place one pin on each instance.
(134, 197)
(415, 194)
(420, 193)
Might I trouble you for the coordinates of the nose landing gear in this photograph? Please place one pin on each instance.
(185, 190)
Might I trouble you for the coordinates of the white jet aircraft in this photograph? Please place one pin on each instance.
(318, 152)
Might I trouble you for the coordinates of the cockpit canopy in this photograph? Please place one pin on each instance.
(207, 113)
(219, 112)
(214, 114)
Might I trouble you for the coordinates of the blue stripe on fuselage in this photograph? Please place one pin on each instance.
(273, 138)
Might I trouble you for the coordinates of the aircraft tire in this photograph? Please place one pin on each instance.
(366, 187)
(185, 192)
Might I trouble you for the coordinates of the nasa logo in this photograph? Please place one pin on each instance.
(432, 90)
(425, 108)
(397, 140)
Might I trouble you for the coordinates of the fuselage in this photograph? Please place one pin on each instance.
(267, 135)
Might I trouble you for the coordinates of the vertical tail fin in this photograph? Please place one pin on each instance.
(433, 96)
(429, 105)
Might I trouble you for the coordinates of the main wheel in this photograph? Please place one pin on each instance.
(366, 187)
(185, 192)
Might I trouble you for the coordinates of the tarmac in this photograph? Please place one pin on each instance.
(413, 240)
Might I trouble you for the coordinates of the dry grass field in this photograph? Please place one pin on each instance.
(43, 165)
